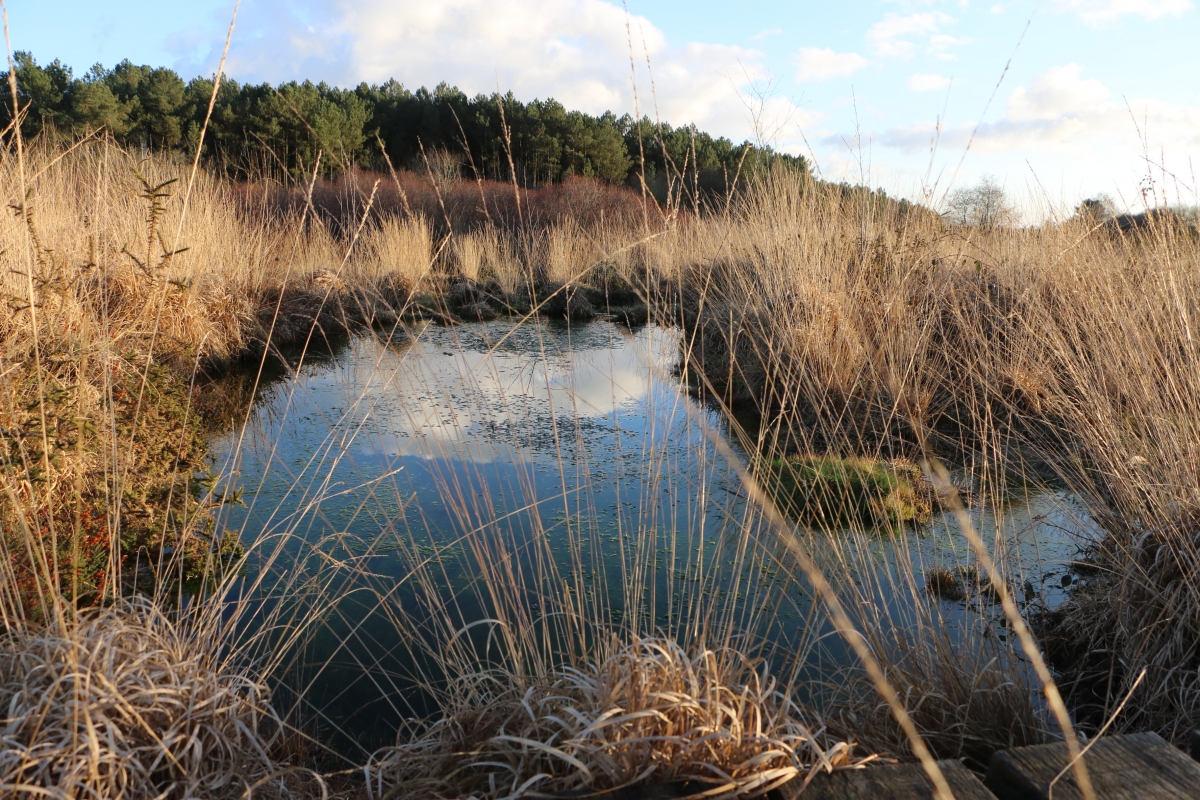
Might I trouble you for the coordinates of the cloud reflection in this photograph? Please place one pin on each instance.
(456, 394)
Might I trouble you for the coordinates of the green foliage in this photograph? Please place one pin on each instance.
(831, 491)
(44, 91)
(151, 100)
(95, 106)
(69, 505)
(258, 128)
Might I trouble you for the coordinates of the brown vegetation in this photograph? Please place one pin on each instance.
(125, 702)
(858, 329)
(1060, 351)
(649, 711)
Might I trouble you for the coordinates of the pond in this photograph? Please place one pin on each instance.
(431, 483)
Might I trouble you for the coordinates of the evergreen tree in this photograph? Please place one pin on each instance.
(260, 127)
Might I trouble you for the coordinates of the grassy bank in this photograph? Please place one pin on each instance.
(868, 337)
(1061, 351)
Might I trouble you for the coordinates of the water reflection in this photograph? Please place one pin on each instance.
(569, 455)
(491, 392)
(562, 459)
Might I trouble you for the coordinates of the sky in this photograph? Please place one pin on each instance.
(1058, 100)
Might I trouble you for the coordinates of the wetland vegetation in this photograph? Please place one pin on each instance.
(432, 484)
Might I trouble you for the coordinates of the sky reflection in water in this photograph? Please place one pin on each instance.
(579, 434)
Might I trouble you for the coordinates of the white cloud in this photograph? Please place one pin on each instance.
(1061, 111)
(577, 51)
(892, 36)
(817, 63)
(1058, 93)
(1095, 11)
(927, 83)
(940, 44)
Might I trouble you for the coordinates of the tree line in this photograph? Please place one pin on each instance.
(261, 129)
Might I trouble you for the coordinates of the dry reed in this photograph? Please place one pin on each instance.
(857, 330)
(649, 712)
(125, 702)
(1062, 352)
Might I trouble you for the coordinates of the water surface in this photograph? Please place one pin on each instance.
(570, 455)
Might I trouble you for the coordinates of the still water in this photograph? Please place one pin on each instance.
(423, 470)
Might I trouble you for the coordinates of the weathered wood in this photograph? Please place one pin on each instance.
(1141, 765)
(892, 782)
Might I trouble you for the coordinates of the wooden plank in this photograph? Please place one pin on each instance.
(1141, 765)
(892, 782)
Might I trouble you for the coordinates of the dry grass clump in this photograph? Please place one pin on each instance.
(870, 327)
(966, 691)
(469, 255)
(147, 312)
(397, 246)
(1128, 444)
(564, 253)
(800, 309)
(1135, 609)
(943, 584)
(649, 712)
(123, 702)
(98, 238)
(501, 266)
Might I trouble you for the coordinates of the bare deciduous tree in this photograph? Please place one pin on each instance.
(984, 205)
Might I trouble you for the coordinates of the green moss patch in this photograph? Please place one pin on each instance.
(827, 491)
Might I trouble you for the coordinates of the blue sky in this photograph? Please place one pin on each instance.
(1100, 95)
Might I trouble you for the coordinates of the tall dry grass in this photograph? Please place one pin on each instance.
(1057, 352)
(113, 304)
(116, 303)
(402, 247)
(1061, 352)
(648, 712)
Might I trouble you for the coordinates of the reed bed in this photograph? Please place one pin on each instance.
(858, 331)
(1061, 353)
(402, 247)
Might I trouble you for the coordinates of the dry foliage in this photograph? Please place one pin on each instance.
(857, 328)
(1063, 351)
(650, 712)
(126, 703)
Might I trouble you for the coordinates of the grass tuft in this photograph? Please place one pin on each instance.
(125, 702)
(649, 712)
